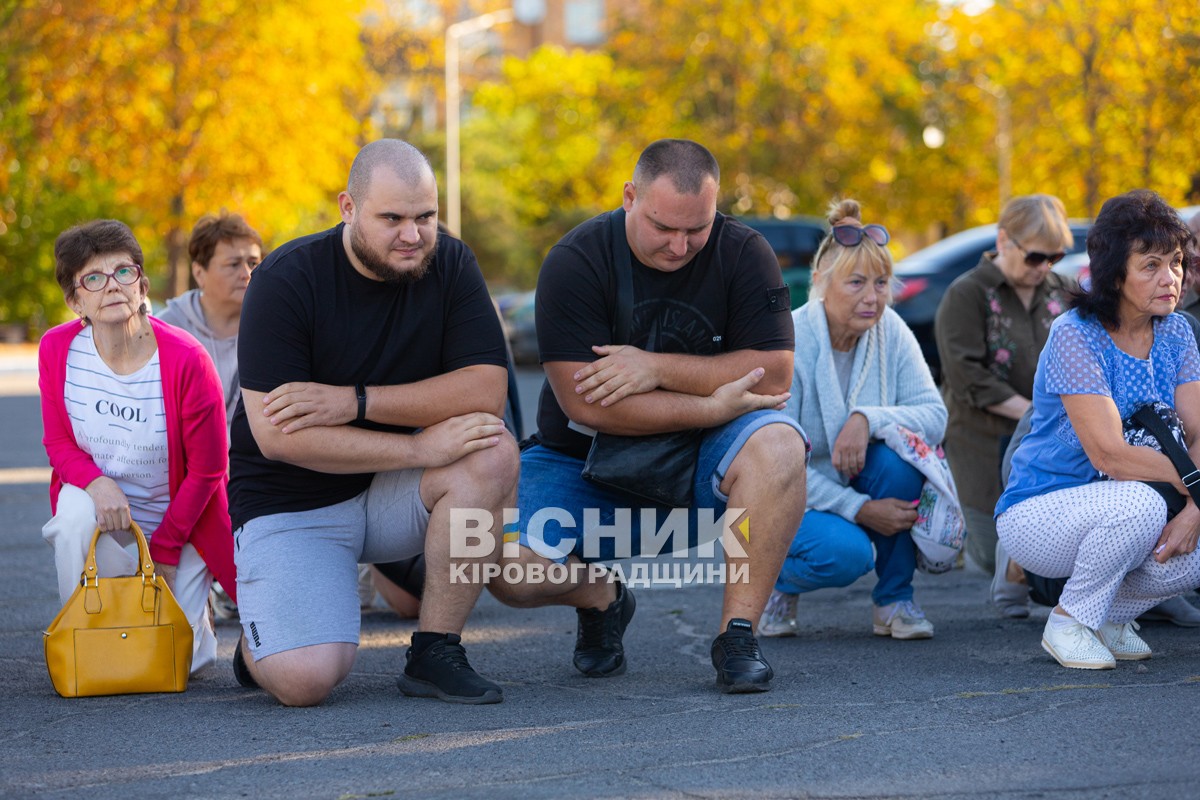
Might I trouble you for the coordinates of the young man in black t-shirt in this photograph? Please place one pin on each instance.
(373, 378)
(711, 347)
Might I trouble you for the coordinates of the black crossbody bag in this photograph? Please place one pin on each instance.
(1149, 418)
(660, 467)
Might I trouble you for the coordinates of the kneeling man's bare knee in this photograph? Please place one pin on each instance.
(306, 676)
(525, 580)
(497, 465)
(776, 450)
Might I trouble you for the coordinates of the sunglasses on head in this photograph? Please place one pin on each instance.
(1035, 259)
(851, 236)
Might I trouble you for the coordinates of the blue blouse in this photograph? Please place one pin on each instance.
(1081, 358)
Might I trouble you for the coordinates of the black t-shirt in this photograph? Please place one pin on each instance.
(310, 316)
(729, 297)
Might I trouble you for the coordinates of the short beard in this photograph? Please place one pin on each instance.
(380, 268)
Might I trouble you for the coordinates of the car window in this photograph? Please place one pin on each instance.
(795, 241)
(965, 246)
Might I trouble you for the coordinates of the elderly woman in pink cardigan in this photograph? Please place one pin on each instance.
(134, 422)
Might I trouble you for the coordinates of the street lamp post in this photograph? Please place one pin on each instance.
(454, 33)
(1003, 135)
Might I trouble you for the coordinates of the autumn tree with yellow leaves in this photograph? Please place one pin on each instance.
(164, 111)
(931, 112)
(546, 147)
(1098, 94)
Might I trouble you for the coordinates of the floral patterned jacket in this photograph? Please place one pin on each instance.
(989, 346)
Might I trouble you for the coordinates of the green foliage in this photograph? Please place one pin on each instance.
(32, 215)
(804, 101)
(545, 149)
(159, 112)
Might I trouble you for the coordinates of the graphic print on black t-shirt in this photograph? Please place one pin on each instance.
(673, 326)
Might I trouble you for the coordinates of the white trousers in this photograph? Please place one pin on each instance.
(70, 531)
(1102, 535)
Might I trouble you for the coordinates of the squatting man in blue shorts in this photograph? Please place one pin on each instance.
(373, 378)
(711, 347)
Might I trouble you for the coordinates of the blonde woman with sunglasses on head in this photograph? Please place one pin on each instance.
(857, 369)
(134, 422)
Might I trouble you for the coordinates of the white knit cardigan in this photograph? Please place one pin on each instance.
(889, 382)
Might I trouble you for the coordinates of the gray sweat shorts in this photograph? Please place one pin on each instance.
(297, 572)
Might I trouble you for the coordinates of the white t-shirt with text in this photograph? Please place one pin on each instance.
(120, 421)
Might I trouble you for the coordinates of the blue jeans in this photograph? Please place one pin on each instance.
(568, 515)
(830, 550)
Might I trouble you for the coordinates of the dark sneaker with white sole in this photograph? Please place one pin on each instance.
(442, 671)
(740, 664)
(599, 651)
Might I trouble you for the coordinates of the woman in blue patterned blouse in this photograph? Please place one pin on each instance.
(1078, 502)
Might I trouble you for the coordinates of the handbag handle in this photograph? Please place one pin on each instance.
(1149, 419)
(145, 563)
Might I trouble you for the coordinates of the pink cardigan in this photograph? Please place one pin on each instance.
(196, 446)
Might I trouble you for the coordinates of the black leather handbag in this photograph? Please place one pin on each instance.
(660, 467)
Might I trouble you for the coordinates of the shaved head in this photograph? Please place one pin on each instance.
(405, 162)
(686, 163)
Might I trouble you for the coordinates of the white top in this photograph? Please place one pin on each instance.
(843, 363)
(120, 421)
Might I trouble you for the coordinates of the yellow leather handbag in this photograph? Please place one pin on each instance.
(123, 635)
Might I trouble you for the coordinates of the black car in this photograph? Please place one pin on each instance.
(926, 274)
(795, 241)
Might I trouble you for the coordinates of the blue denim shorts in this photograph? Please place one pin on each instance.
(562, 514)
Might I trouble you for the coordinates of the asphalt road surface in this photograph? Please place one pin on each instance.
(978, 711)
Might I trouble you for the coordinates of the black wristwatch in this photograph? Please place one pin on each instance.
(361, 391)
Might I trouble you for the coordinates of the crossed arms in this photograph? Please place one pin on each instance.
(305, 424)
(633, 392)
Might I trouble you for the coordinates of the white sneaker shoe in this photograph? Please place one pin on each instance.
(366, 587)
(779, 617)
(902, 620)
(1122, 642)
(1076, 646)
(1010, 599)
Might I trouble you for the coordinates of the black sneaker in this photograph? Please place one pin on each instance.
(598, 648)
(740, 664)
(442, 671)
(240, 670)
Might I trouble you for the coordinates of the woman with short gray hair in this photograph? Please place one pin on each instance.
(991, 325)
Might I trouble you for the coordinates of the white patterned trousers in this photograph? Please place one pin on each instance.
(1102, 535)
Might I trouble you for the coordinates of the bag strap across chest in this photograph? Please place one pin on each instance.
(623, 272)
